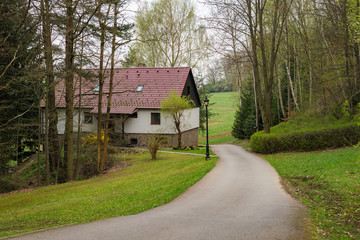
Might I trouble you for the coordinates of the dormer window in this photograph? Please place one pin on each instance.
(96, 89)
(139, 88)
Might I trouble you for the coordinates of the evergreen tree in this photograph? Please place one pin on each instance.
(19, 81)
(245, 121)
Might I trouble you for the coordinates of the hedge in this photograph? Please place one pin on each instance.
(305, 141)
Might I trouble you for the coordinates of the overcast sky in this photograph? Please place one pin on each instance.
(201, 9)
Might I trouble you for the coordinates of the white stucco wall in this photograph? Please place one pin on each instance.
(142, 124)
(85, 127)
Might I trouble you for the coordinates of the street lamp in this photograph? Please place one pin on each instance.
(206, 102)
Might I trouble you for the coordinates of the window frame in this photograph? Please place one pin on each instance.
(140, 88)
(152, 115)
(86, 115)
(96, 89)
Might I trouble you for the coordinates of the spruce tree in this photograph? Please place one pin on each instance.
(245, 120)
(19, 81)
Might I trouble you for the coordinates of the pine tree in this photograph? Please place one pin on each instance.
(245, 121)
(18, 80)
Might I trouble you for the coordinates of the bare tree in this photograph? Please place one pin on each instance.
(113, 49)
(169, 34)
(52, 138)
(263, 25)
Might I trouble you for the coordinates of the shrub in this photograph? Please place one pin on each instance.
(6, 185)
(306, 140)
(154, 142)
(91, 139)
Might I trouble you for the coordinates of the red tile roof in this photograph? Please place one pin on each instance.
(157, 82)
(116, 109)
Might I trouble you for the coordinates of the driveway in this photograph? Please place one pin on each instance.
(241, 198)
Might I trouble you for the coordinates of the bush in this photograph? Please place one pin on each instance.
(91, 139)
(310, 140)
(154, 142)
(6, 185)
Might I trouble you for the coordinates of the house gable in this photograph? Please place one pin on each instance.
(191, 90)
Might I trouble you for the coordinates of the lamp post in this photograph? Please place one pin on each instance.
(206, 102)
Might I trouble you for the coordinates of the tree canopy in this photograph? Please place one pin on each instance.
(168, 34)
(175, 105)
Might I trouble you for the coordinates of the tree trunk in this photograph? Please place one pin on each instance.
(77, 167)
(106, 137)
(179, 140)
(53, 138)
(178, 129)
(101, 82)
(238, 69)
(256, 108)
(47, 168)
(280, 98)
(69, 85)
(267, 117)
(39, 139)
(310, 78)
(268, 55)
(291, 85)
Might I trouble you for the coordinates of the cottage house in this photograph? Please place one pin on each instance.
(136, 104)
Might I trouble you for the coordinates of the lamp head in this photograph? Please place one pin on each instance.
(206, 101)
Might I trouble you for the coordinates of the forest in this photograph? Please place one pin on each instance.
(283, 58)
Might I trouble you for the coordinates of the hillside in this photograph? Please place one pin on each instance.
(223, 106)
(142, 185)
(307, 132)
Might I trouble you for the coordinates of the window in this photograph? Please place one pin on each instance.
(134, 115)
(155, 118)
(188, 90)
(96, 89)
(139, 88)
(103, 125)
(88, 118)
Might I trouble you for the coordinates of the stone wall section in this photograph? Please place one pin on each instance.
(188, 138)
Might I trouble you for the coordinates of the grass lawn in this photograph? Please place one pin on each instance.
(328, 183)
(220, 125)
(244, 143)
(143, 185)
(307, 123)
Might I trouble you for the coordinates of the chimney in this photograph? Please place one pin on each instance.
(141, 65)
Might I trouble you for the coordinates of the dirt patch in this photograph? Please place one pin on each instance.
(18, 191)
(117, 168)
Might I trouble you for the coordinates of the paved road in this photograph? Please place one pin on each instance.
(241, 198)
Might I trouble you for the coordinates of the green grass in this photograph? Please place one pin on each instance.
(244, 143)
(328, 183)
(144, 185)
(307, 132)
(306, 122)
(224, 107)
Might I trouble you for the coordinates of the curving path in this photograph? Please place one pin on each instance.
(241, 198)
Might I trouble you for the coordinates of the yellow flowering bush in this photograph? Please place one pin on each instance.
(91, 139)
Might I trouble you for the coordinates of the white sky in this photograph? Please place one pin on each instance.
(202, 9)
